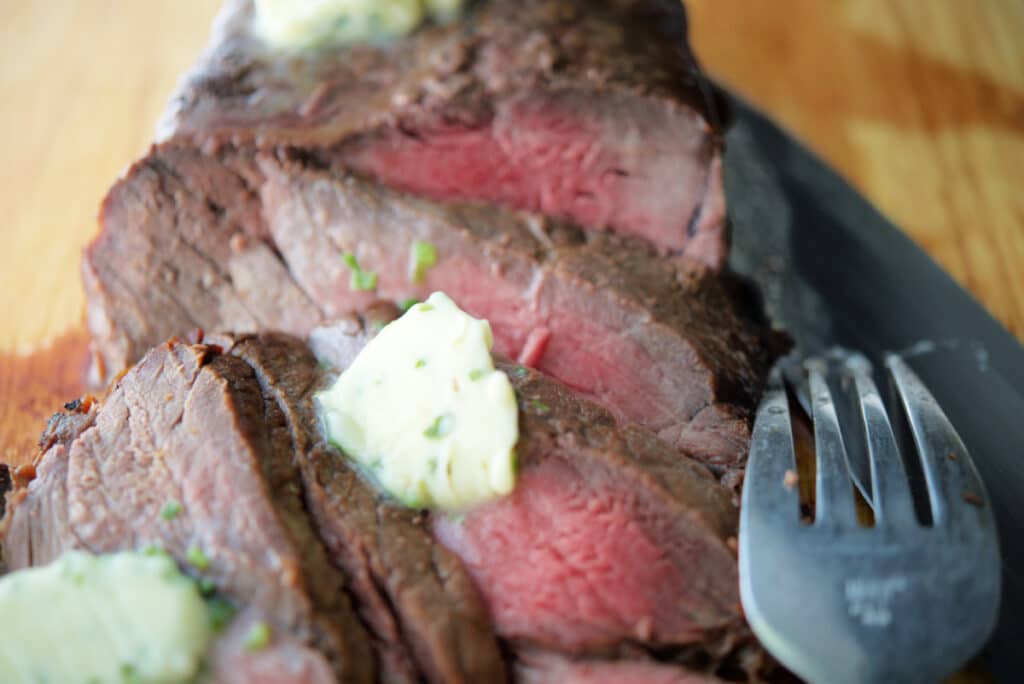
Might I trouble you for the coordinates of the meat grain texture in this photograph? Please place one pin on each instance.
(272, 165)
(357, 588)
(563, 159)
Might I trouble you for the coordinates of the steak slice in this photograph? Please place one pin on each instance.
(419, 603)
(190, 426)
(590, 110)
(662, 342)
(550, 668)
(609, 538)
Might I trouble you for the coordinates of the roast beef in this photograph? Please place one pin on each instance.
(609, 539)
(550, 668)
(588, 109)
(620, 543)
(663, 342)
(604, 524)
(190, 426)
(416, 598)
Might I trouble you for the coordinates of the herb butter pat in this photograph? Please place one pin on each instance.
(111, 618)
(314, 23)
(424, 412)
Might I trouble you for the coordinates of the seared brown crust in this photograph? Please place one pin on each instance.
(244, 93)
(420, 605)
(191, 426)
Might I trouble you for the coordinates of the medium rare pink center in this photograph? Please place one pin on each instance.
(591, 159)
(562, 562)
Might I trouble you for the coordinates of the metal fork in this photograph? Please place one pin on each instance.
(840, 602)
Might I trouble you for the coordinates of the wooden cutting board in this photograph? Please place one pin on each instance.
(920, 105)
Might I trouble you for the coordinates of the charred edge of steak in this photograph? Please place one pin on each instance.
(621, 72)
(337, 633)
(413, 594)
(43, 526)
(636, 46)
(65, 426)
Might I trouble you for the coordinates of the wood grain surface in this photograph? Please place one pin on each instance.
(919, 104)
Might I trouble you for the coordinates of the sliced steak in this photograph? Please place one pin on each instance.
(190, 426)
(421, 606)
(611, 542)
(609, 538)
(662, 342)
(550, 668)
(592, 110)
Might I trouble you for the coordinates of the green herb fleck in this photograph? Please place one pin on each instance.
(359, 280)
(153, 550)
(441, 427)
(129, 675)
(422, 257)
(421, 363)
(539, 406)
(425, 307)
(207, 587)
(363, 281)
(520, 372)
(258, 637)
(220, 612)
(407, 304)
(170, 510)
(477, 373)
(196, 558)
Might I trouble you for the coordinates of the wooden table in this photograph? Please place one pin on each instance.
(919, 104)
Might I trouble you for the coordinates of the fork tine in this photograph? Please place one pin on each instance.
(834, 492)
(892, 501)
(954, 485)
(769, 492)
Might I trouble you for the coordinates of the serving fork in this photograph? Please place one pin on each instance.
(908, 598)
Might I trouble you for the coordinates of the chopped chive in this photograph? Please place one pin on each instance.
(422, 257)
(196, 558)
(421, 363)
(520, 372)
(153, 550)
(477, 373)
(170, 510)
(220, 612)
(363, 281)
(539, 406)
(207, 587)
(258, 637)
(359, 280)
(441, 427)
(129, 675)
(425, 307)
(407, 304)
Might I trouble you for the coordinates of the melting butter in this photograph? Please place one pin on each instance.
(314, 23)
(123, 617)
(424, 412)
